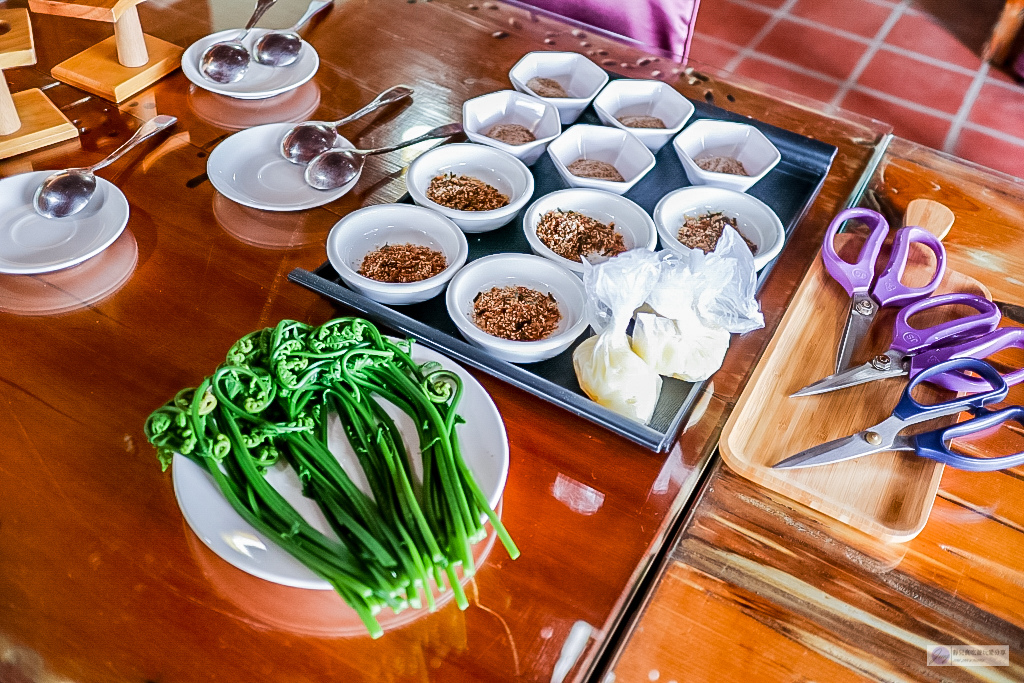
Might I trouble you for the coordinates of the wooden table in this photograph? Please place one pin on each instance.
(100, 577)
(757, 586)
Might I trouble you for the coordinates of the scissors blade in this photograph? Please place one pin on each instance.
(890, 364)
(858, 321)
(838, 450)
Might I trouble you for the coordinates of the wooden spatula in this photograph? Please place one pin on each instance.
(934, 217)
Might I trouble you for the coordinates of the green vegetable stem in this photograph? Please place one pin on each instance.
(270, 401)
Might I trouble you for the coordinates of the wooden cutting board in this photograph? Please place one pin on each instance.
(888, 495)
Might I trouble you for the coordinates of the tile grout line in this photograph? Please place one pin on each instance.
(772, 22)
(995, 133)
(953, 135)
(870, 53)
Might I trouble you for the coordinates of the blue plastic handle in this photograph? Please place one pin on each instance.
(933, 444)
(908, 408)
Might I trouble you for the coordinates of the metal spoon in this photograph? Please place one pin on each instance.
(308, 140)
(281, 48)
(338, 167)
(227, 62)
(67, 192)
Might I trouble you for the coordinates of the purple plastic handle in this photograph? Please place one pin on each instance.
(889, 291)
(857, 276)
(981, 347)
(910, 340)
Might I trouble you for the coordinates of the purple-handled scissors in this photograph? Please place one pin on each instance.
(856, 277)
(910, 343)
(885, 436)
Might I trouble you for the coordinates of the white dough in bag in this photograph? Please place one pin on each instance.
(613, 376)
(686, 349)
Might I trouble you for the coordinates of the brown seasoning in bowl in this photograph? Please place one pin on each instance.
(516, 313)
(465, 193)
(704, 231)
(511, 134)
(641, 121)
(592, 168)
(546, 87)
(721, 164)
(573, 235)
(402, 263)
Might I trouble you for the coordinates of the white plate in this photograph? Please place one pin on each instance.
(30, 243)
(259, 81)
(248, 168)
(484, 445)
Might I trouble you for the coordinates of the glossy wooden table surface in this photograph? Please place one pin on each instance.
(757, 586)
(100, 577)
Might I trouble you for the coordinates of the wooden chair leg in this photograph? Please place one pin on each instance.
(1011, 19)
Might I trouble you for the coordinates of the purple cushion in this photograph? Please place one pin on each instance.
(660, 23)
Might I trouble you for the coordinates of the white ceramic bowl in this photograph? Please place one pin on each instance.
(632, 222)
(580, 77)
(755, 220)
(626, 97)
(618, 147)
(499, 169)
(368, 229)
(740, 141)
(482, 113)
(505, 270)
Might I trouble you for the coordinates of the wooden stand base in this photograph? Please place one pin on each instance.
(42, 124)
(97, 70)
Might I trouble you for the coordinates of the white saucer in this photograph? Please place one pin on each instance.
(482, 439)
(259, 81)
(30, 243)
(248, 168)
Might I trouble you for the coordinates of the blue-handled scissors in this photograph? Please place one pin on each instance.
(885, 436)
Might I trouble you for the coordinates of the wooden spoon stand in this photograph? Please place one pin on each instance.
(120, 66)
(28, 120)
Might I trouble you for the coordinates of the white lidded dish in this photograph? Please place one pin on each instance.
(579, 77)
(508, 270)
(366, 230)
(740, 141)
(481, 114)
(755, 220)
(629, 97)
(621, 149)
(501, 170)
(632, 222)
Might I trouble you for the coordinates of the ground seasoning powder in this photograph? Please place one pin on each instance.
(592, 168)
(572, 235)
(716, 164)
(465, 193)
(546, 87)
(704, 231)
(511, 134)
(402, 263)
(641, 121)
(516, 313)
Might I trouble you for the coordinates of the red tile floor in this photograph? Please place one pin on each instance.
(887, 59)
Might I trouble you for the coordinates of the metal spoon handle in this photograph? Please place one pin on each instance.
(389, 96)
(261, 7)
(445, 131)
(145, 131)
(314, 7)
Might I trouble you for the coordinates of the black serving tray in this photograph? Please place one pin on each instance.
(789, 189)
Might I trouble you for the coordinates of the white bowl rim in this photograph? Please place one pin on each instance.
(701, 123)
(530, 231)
(646, 131)
(463, 322)
(459, 214)
(768, 253)
(401, 287)
(567, 100)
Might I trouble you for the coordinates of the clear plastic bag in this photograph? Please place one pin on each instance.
(607, 368)
(683, 348)
(719, 287)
